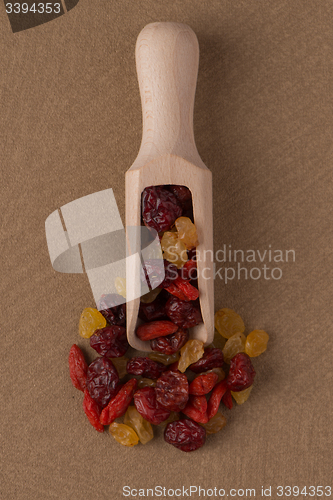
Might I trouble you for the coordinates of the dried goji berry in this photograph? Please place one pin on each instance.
(172, 390)
(227, 399)
(195, 414)
(92, 411)
(185, 435)
(203, 384)
(146, 404)
(77, 368)
(155, 329)
(145, 367)
(199, 402)
(119, 404)
(212, 358)
(190, 292)
(189, 270)
(215, 398)
(176, 291)
(241, 373)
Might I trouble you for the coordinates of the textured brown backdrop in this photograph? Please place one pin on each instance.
(70, 126)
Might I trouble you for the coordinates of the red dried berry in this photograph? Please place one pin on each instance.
(182, 313)
(227, 399)
(197, 415)
(77, 368)
(185, 435)
(119, 404)
(170, 343)
(174, 290)
(172, 390)
(113, 308)
(102, 381)
(203, 384)
(145, 367)
(182, 193)
(241, 373)
(146, 404)
(190, 292)
(160, 208)
(92, 411)
(215, 398)
(189, 270)
(199, 402)
(212, 358)
(156, 329)
(154, 310)
(110, 341)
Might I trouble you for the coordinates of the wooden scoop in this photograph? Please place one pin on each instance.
(167, 56)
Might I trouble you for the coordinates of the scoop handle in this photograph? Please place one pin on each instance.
(167, 59)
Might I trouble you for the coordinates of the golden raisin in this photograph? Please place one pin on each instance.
(120, 284)
(218, 341)
(215, 424)
(256, 343)
(120, 365)
(228, 322)
(187, 232)
(143, 428)
(150, 296)
(233, 346)
(146, 382)
(124, 434)
(241, 396)
(174, 250)
(190, 353)
(219, 372)
(166, 359)
(90, 321)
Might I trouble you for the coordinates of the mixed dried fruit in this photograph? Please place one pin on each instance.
(181, 384)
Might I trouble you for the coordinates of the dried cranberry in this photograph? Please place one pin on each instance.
(185, 435)
(110, 341)
(171, 343)
(113, 308)
(212, 358)
(145, 367)
(172, 390)
(170, 274)
(102, 381)
(182, 193)
(146, 404)
(154, 310)
(160, 208)
(182, 313)
(241, 373)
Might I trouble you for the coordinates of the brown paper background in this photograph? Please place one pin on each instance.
(70, 126)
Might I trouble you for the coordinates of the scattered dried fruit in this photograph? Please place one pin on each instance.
(241, 396)
(233, 346)
(141, 426)
(119, 404)
(124, 434)
(166, 359)
(212, 358)
(228, 322)
(146, 404)
(102, 381)
(256, 343)
(160, 208)
(203, 384)
(182, 313)
(215, 398)
(215, 424)
(170, 344)
(241, 373)
(172, 391)
(77, 368)
(190, 353)
(185, 435)
(145, 367)
(110, 341)
(90, 321)
(92, 410)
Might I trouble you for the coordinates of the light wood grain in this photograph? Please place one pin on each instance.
(167, 56)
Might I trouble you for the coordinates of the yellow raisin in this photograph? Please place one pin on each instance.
(215, 424)
(256, 343)
(124, 434)
(191, 352)
(143, 428)
(187, 232)
(172, 418)
(174, 250)
(120, 365)
(241, 396)
(120, 284)
(90, 321)
(228, 322)
(150, 296)
(218, 341)
(164, 358)
(233, 346)
(219, 372)
(146, 382)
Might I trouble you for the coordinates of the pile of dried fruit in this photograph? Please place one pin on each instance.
(179, 388)
(181, 384)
